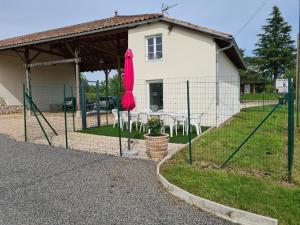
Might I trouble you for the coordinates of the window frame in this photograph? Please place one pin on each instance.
(154, 48)
(156, 81)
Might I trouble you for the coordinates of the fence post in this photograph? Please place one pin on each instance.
(25, 117)
(290, 129)
(106, 96)
(83, 109)
(73, 108)
(119, 119)
(189, 121)
(65, 115)
(98, 104)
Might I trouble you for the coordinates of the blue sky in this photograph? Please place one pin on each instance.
(22, 17)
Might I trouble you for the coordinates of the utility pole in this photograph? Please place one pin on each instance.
(298, 76)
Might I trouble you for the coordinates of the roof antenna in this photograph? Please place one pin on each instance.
(165, 8)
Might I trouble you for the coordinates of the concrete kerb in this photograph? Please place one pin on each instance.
(225, 212)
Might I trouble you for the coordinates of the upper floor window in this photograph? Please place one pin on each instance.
(154, 47)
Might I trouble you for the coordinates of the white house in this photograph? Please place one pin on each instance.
(167, 53)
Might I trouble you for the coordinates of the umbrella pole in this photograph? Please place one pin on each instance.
(128, 130)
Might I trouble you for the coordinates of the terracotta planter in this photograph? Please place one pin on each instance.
(156, 146)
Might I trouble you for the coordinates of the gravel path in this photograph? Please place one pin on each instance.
(46, 185)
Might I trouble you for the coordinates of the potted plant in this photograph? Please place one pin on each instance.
(156, 141)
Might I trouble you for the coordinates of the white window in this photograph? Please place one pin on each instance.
(154, 47)
(156, 95)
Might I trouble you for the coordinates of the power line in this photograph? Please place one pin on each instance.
(261, 6)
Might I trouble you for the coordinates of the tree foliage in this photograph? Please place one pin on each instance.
(275, 50)
(90, 87)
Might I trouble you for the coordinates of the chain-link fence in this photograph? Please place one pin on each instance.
(45, 121)
(215, 124)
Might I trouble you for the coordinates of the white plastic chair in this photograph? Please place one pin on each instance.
(134, 118)
(147, 111)
(196, 122)
(115, 114)
(169, 121)
(124, 116)
(143, 120)
(182, 120)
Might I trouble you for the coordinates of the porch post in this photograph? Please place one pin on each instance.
(119, 63)
(119, 72)
(28, 76)
(106, 93)
(77, 77)
(28, 79)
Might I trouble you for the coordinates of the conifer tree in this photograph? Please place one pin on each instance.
(275, 50)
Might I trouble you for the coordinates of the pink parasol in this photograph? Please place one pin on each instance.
(128, 102)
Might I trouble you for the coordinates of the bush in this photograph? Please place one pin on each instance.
(270, 88)
(155, 125)
(90, 97)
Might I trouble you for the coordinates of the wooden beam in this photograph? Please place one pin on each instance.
(48, 52)
(20, 56)
(70, 49)
(35, 56)
(54, 62)
(98, 48)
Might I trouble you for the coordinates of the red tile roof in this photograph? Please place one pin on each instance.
(77, 29)
(111, 23)
(198, 28)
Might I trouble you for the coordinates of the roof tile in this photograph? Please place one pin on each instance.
(77, 29)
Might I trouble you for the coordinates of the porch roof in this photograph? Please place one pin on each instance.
(75, 30)
(106, 38)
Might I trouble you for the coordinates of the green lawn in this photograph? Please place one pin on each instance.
(258, 97)
(256, 178)
(114, 132)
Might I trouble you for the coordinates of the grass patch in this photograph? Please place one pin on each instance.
(254, 194)
(258, 96)
(114, 132)
(255, 180)
(264, 153)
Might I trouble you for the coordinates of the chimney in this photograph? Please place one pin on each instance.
(116, 13)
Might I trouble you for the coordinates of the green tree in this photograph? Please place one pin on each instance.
(112, 86)
(275, 52)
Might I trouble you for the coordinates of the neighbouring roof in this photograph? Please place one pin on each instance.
(117, 22)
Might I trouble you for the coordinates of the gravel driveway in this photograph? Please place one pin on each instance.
(46, 185)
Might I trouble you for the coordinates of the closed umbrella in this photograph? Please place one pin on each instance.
(128, 102)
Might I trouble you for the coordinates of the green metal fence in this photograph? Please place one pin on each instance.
(254, 136)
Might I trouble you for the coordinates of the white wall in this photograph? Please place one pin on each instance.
(12, 76)
(229, 86)
(47, 82)
(187, 55)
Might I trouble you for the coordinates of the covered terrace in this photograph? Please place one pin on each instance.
(93, 46)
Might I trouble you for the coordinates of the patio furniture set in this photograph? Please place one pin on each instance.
(171, 120)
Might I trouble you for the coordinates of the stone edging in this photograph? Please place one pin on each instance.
(228, 213)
